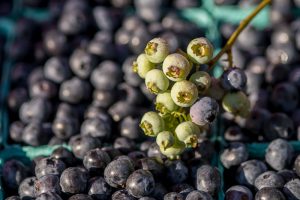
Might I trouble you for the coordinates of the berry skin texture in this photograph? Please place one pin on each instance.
(202, 80)
(49, 166)
(234, 79)
(184, 93)
(157, 50)
(198, 195)
(236, 103)
(48, 183)
(165, 139)
(26, 188)
(96, 160)
(208, 179)
(156, 82)
(200, 50)
(238, 192)
(176, 67)
(234, 155)
(164, 103)
(142, 65)
(279, 154)
(292, 189)
(269, 179)
(269, 193)
(74, 180)
(188, 132)
(99, 189)
(152, 124)
(204, 111)
(140, 183)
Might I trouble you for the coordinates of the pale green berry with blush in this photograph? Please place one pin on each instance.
(236, 103)
(184, 93)
(142, 65)
(200, 50)
(156, 82)
(174, 151)
(176, 67)
(188, 132)
(152, 124)
(165, 139)
(164, 103)
(157, 50)
(202, 80)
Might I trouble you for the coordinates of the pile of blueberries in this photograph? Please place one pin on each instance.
(273, 76)
(72, 83)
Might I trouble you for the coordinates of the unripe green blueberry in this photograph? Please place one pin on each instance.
(165, 139)
(236, 103)
(157, 50)
(164, 103)
(200, 50)
(202, 80)
(156, 81)
(188, 132)
(152, 124)
(142, 65)
(174, 151)
(184, 93)
(176, 67)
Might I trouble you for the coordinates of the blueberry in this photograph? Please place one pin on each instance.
(43, 89)
(82, 63)
(16, 130)
(208, 179)
(64, 155)
(13, 198)
(135, 156)
(279, 125)
(120, 110)
(124, 144)
(139, 39)
(55, 42)
(122, 195)
(234, 155)
(129, 128)
(159, 191)
(269, 179)
(26, 188)
(65, 110)
(256, 120)
(15, 172)
(269, 193)
(234, 79)
(73, 180)
(55, 141)
(80, 197)
(99, 189)
(147, 198)
(16, 98)
(101, 75)
(117, 172)
(152, 165)
(57, 69)
(73, 22)
(235, 134)
(97, 112)
(107, 18)
(279, 154)
(287, 175)
(80, 145)
(49, 166)
(177, 171)
(74, 90)
(198, 195)
(100, 48)
(96, 160)
(173, 196)
(112, 152)
(103, 98)
(238, 192)
(36, 109)
(96, 127)
(130, 94)
(36, 134)
(276, 73)
(140, 183)
(48, 196)
(154, 152)
(47, 183)
(292, 189)
(285, 97)
(249, 170)
(65, 127)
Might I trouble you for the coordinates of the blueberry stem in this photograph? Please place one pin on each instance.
(237, 32)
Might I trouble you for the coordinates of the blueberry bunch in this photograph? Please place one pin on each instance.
(187, 98)
(104, 173)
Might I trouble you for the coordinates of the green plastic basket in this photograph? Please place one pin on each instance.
(208, 17)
